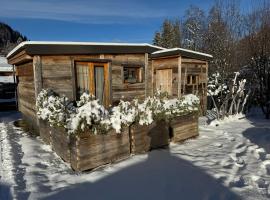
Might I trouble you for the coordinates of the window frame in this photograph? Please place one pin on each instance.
(140, 72)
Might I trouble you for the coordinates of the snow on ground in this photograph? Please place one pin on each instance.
(229, 161)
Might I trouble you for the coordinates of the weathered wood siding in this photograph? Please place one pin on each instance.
(166, 63)
(145, 138)
(57, 74)
(45, 131)
(186, 67)
(60, 141)
(121, 90)
(26, 93)
(184, 127)
(89, 151)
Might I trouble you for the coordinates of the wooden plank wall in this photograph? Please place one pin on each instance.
(57, 74)
(88, 151)
(166, 63)
(122, 90)
(26, 92)
(184, 127)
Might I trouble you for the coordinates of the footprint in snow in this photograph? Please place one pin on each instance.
(240, 151)
(239, 145)
(227, 163)
(260, 154)
(266, 167)
(252, 148)
(238, 181)
(239, 162)
(260, 184)
(219, 145)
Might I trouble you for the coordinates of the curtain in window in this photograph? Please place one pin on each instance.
(82, 74)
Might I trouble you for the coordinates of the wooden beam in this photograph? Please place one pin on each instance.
(37, 69)
(153, 88)
(73, 78)
(193, 61)
(146, 74)
(165, 57)
(20, 58)
(110, 84)
(179, 75)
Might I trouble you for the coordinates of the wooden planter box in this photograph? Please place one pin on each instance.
(89, 151)
(144, 138)
(45, 131)
(60, 141)
(184, 127)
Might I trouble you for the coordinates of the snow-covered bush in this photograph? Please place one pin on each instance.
(54, 109)
(160, 107)
(217, 87)
(178, 107)
(121, 115)
(90, 115)
(228, 99)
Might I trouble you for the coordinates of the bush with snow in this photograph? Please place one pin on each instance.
(52, 108)
(227, 99)
(90, 115)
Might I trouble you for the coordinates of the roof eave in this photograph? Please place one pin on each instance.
(61, 48)
(179, 52)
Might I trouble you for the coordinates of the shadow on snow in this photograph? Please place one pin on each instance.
(161, 176)
(260, 133)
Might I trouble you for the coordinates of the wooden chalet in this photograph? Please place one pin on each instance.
(110, 71)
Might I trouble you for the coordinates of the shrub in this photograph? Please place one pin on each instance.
(89, 114)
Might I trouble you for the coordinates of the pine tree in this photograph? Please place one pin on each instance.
(157, 39)
(170, 35)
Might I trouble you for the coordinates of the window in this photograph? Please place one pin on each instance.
(192, 79)
(82, 78)
(93, 78)
(132, 74)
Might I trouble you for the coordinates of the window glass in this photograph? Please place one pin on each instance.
(82, 78)
(132, 74)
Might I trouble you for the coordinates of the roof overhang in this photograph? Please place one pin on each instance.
(181, 52)
(80, 48)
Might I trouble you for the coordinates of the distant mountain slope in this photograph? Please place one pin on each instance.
(9, 38)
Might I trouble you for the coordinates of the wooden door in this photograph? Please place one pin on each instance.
(93, 78)
(164, 80)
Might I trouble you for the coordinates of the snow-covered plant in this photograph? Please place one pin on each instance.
(54, 109)
(181, 106)
(88, 117)
(217, 87)
(144, 114)
(85, 98)
(122, 115)
(230, 102)
(160, 107)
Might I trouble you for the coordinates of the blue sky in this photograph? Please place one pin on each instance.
(101, 20)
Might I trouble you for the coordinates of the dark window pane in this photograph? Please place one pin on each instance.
(99, 83)
(132, 75)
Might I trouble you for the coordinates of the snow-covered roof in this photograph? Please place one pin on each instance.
(181, 51)
(4, 66)
(74, 44)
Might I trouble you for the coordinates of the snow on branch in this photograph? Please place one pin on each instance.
(89, 114)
